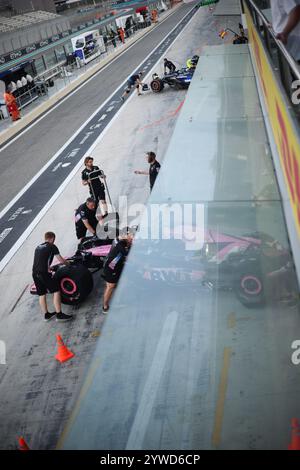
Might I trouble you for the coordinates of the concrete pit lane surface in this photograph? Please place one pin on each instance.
(37, 393)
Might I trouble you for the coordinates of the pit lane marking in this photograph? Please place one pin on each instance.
(217, 431)
(5, 145)
(4, 234)
(28, 229)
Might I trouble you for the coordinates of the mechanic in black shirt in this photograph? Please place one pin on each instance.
(134, 80)
(153, 169)
(169, 65)
(114, 264)
(91, 176)
(43, 279)
(86, 219)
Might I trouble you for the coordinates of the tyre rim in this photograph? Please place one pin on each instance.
(155, 86)
(251, 285)
(68, 286)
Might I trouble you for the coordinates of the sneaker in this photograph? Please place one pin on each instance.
(49, 315)
(105, 309)
(123, 98)
(63, 317)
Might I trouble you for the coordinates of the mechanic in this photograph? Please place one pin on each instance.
(43, 279)
(192, 62)
(134, 80)
(114, 264)
(169, 65)
(86, 219)
(96, 186)
(153, 169)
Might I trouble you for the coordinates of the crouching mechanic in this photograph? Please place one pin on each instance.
(114, 264)
(134, 80)
(43, 279)
(86, 219)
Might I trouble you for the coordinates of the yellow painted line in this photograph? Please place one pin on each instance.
(231, 320)
(87, 383)
(217, 431)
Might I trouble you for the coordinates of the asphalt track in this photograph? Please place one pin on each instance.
(23, 158)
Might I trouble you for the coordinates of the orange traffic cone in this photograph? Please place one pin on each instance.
(22, 444)
(295, 442)
(63, 354)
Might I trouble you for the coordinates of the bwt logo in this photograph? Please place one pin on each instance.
(296, 353)
(296, 93)
(2, 353)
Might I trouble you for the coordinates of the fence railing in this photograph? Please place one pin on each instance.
(284, 65)
(29, 94)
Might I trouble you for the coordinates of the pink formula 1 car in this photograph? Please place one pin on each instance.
(242, 264)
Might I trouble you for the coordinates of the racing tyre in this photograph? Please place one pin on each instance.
(250, 289)
(157, 85)
(76, 283)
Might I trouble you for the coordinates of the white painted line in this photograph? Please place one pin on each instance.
(110, 109)
(86, 82)
(147, 400)
(61, 188)
(51, 201)
(102, 117)
(49, 163)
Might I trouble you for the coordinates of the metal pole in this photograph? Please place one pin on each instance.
(108, 193)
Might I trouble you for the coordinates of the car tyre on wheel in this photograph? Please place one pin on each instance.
(75, 282)
(250, 289)
(157, 85)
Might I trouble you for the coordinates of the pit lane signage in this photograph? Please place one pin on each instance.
(32, 48)
(4, 59)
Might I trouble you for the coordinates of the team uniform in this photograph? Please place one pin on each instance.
(169, 65)
(97, 188)
(133, 80)
(43, 279)
(84, 213)
(114, 263)
(12, 106)
(153, 172)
